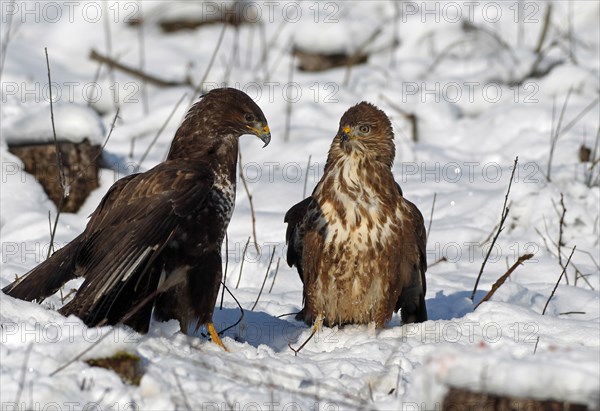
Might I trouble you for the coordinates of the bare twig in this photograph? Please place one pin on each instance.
(159, 132)
(7, 38)
(559, 278)
(61, 174)
(572, 312)
(243, 178)
(225, 271)
(265, 279)
(234, 60)
(395, 37)
(579, 116)
(312, 334)
(183, 394)
(544, 31)
(306, 176)
(150, 79)
(198, 89)
(554, 137)
(240, 307)
(23, 373)
(503, 278)
(503, 217)
(551, 252)
(430, 218)
(410, 117)
(359, 53)
(275, 276)
(108, 43)
(242, 263)
(142, 47)
(249, 47)
(441, 260)
(288, 108)
(560, 233)
(263, 62)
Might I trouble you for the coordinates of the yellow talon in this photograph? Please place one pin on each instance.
(318, 324)
(214, 335)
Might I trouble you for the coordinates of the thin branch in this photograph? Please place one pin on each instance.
(288, 108)
(560, 233)
(504, 277)
(503, 217)
(554, 138)
(544, 31)
(265, 279)
(275, 276)
(61, 173)
(441, 260)
(410, 117)
(198, 89)
(240, 307)
(242, 263)
(559, 278)
(159, 132)
(108, 43)
(243, 178)
(183, 394)
(150, 79)
(579, 116)
(312, 334)
(430, 218)
(23, 373)
(7, 38)
(358, 54)
(225, 271)
(306, 176)
(142, 47)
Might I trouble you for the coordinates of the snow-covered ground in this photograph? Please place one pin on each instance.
(464, 69)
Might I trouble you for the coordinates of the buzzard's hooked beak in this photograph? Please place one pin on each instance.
(345, 134)
(263, 133)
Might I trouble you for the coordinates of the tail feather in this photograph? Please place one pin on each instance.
(45, 279)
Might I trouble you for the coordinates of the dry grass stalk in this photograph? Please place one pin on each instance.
(247, 190)
(504, 277)
(503, 217)
(265, 279)
(242, 263)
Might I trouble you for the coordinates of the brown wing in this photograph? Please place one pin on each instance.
(45, 279)
(305, 248)
(413, 264)
(126, 235)
(294, 217)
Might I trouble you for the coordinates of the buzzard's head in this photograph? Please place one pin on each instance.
(220, 115)
(236, 113)
(366, 131)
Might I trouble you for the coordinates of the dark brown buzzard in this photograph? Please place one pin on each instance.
(162, 226)
(358, 244)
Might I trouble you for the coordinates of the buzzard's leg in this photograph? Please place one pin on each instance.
(214, 335)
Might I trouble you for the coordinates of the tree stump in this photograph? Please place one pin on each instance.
(459, 399)
(79, 166)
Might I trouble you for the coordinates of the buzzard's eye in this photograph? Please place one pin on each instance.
(249, 118)
(364, 129)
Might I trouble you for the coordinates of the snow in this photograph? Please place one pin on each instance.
(464, 155)
(72, 122)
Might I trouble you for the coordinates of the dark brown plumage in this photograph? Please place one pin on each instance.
(164, 225)
(358, 244)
